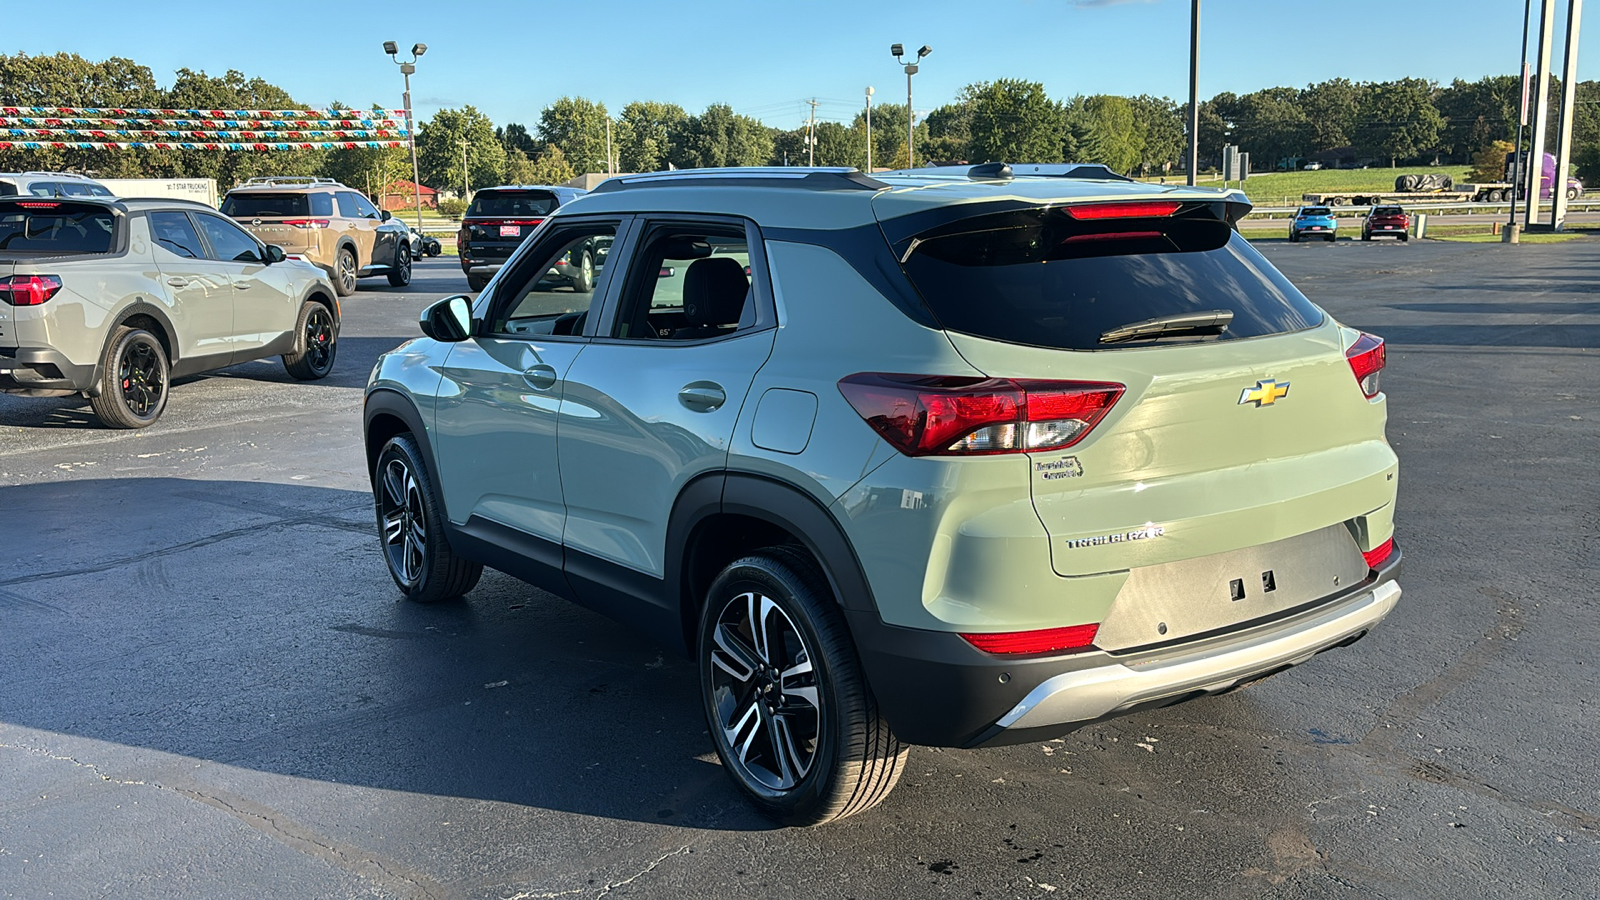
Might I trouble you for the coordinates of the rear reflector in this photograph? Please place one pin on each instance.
(1377, 555)
(1367, 358)
(1142, 209)
(923, 415)
(1048, 640)
(28, 290)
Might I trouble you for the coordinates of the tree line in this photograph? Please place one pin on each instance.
(1404, 121)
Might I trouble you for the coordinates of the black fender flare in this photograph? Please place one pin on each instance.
(390, 402)
(800, 514)
(346, 243)
(136, 308)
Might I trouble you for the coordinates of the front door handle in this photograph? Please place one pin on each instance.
(178, 281)
(702, 396)
(241, 287)
(540, 378)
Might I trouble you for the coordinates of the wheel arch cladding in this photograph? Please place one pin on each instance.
(721, 517)
(389, 413)
(143, 315)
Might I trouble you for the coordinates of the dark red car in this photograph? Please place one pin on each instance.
(1389, 220)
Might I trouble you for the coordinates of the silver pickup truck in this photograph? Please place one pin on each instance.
(112, 299)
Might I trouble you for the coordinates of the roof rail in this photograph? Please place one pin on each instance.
(60, 175)
(841, 178)
(291, 179)
(999, 170)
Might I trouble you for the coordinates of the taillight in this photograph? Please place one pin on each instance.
(924, 415)
(28, 290)
(1047, 640)
(1367, 359)
(1144, 208)
(308, 223)
(1376, 556)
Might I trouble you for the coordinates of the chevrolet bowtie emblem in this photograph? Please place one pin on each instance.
(1265, 393)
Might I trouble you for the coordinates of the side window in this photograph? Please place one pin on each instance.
(688, 283)
(321, 204)
(364, 207)
(229, 241)
(175, 233)
(553, 285)
(347, 205)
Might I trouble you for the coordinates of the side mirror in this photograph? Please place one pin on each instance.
(383, 215)
(448, 320)
(275, 254)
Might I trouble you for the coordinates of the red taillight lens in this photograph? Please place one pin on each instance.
(1367, 359)
(28, 290)
(308, 223)
(1092, 211)
(1048, 640)
(1376, 556)
(37, 204)
(923, 415)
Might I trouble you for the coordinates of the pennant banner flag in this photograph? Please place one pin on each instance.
(161, 145)
(202, 135)
(203, 113)
(202, 124)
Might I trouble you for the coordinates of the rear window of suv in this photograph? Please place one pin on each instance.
(1388, 211)
(1314, 211)
(39, 226)
(1041, 278)
(275, 203)
(513, 203)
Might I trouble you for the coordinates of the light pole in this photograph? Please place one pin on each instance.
(1194, 93)
(869, 129)
(898, 51)
(406, 68)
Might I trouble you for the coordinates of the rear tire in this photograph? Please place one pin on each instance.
(1294, 238)
(400, 275)
(583, 277)
(134, 377)
(476, 283)
(788, 707)
(319, 344)
(344, 272)
(411, 527)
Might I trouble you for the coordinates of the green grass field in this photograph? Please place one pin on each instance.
(1285, 188)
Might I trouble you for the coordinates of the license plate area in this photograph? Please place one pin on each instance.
(510, 230)
(1190, 597)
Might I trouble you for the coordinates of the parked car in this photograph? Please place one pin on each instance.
(114, 298)
(332, 226)
(1311, 166)
(1313, 221)
(421, 244)
(957, 499)
(50, 184)
(499, 219)
(1388, 220)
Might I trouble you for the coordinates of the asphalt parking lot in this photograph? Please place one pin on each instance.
(208, 687)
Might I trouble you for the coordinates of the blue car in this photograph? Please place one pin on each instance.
(1313, 221)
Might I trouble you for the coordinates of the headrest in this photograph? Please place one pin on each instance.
(714, 290)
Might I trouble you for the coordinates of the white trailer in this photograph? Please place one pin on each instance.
(202, 189)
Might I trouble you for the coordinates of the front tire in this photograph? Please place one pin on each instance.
(411, 527)
(319, 344)
(789, 710)
(400, 275)
(134, 378)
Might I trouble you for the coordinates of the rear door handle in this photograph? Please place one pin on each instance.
(540, 378)
(241, 287)
(178, 281)
(702, 396)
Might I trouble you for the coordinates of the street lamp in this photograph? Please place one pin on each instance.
(869, 129)
(897, 51)
(406, 68)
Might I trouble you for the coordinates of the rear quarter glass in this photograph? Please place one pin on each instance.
(1039, 278)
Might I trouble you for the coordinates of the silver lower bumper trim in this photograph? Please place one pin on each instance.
(1103, 690)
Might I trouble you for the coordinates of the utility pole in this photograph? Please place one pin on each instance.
(869, 129)
(1522, 116)
(811, 134)
(466, 179)
(1541, 93)
(1569, 87)
(609, 169)
(1194, 94)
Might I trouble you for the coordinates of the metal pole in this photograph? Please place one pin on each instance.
(869, 131)
(811, 134)
(416, 171)
(1522, 118)
(1569, 88)
(609, 170)
(466, 178)
(911, 161)
(1547, 15)
(1194, 94)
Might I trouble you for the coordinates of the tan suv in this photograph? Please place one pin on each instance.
(322, 221)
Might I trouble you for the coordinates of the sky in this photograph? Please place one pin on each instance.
(511, 59)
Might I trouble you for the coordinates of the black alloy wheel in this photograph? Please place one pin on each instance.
(134, 380)
(411, 527)
(319, 344)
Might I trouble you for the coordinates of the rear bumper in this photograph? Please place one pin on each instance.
(936, 689)
(42, 372)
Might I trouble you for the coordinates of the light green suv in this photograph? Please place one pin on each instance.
(930, 458)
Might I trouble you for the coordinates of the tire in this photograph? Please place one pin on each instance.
(583, 273)
(800, 679)
(1365, 236)
(134, 377)
(476, 283)
(1294, 238)
(1330, 238)
(1404, 238)
(344, 272)
(400, 275)
(1572, 193)
(318, 341)
(411, 527)
(1497, 196)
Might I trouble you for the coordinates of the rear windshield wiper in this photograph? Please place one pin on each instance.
(1212, 321)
